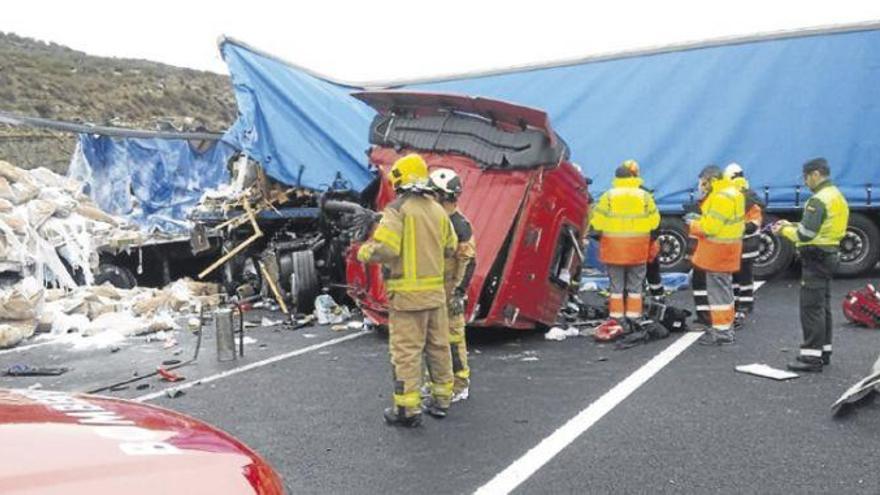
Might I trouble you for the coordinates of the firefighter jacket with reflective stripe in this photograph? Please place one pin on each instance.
(460, 266)
(412, 240)
(720, 228)
(826, 215)
(754, 219)
(625, 215)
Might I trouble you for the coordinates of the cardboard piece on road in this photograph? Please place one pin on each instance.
(857, 392)
(765, 371)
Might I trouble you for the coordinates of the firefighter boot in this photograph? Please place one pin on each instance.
(395, 417)
(806, 363)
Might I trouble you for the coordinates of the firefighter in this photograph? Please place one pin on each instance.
(412, 241)
(625, 217)
(719, 230)
(459, 271)
(817, 238)
(743, 280)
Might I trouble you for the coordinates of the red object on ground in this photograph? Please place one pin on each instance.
(55, 442)
(527, 221)
(862, 306)
(609, 330)
(169, 376)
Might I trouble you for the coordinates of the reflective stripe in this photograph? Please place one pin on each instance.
(748, 256)
(655, 286)
(404, 285)
(826, 348)
(702, 308)
(805, 231)
(724, 218)
(811, 352)
(409, 248)
(456, 338)
(701, 293)
(746, 299)
(388, 237)
(441, 390)
(410, 282)
(409, 400)
(463, 373)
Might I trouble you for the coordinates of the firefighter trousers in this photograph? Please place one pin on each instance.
(458, 347)
(815, 300)
(625, 287)
(412, 334)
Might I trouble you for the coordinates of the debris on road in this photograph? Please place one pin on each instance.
(765, 371)
(27, 370)
(560, 334)
(856, 393)
(169, 376)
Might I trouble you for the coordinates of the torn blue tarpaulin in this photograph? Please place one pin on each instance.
(152, 182)
(303, 130)
(769, 104)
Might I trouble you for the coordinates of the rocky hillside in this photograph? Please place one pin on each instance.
(53, 81)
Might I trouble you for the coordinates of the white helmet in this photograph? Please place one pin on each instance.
(733, 171)
(446, 182)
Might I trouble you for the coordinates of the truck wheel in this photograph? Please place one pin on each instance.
(775, 254)
(305, 283)
(673, 238)
(860, 247)
(119, 277)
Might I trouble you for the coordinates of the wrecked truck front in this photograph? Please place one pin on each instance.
(526, 202)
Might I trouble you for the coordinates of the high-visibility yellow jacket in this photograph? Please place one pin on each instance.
(625, 215)
(826, 215)
(412, 240)
(719, 230)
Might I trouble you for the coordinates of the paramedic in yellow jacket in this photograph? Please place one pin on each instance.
(412, 241)
(625, 216)
(459, 271)
(719, 230)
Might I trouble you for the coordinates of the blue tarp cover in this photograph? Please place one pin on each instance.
(164, 178)
(769, 105)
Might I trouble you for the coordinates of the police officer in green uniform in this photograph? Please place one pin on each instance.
(817, 238)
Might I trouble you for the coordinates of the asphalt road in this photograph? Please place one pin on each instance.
(695, 427)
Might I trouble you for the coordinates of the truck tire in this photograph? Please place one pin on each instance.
(118, 276)
(673, 237)
(860, 248)
(306, 285)
(776, 253)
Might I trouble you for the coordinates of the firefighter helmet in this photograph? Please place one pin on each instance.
(733, 170)
(446, 182)
(409, 172)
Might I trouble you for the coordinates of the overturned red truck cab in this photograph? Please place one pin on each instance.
(526, 201)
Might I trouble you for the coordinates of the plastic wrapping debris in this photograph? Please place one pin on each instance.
(329, 312)
(559, 333)
(47, 226)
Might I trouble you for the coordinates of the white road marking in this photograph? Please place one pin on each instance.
(248, 367)
(524, 467)
(26, 347)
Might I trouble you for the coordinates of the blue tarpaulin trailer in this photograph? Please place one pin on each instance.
(767, 102)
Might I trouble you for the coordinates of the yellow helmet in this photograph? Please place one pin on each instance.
(632, 166)
(409, 171)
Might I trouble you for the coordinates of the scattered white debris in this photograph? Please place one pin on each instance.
(765, 371)
(329, 312)
(249, 340)
(559, 333)
(355, 325)
(268, 322)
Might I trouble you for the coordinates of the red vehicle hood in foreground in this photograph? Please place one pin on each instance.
(55, 442)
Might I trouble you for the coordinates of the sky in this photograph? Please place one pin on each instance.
(377, 40)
